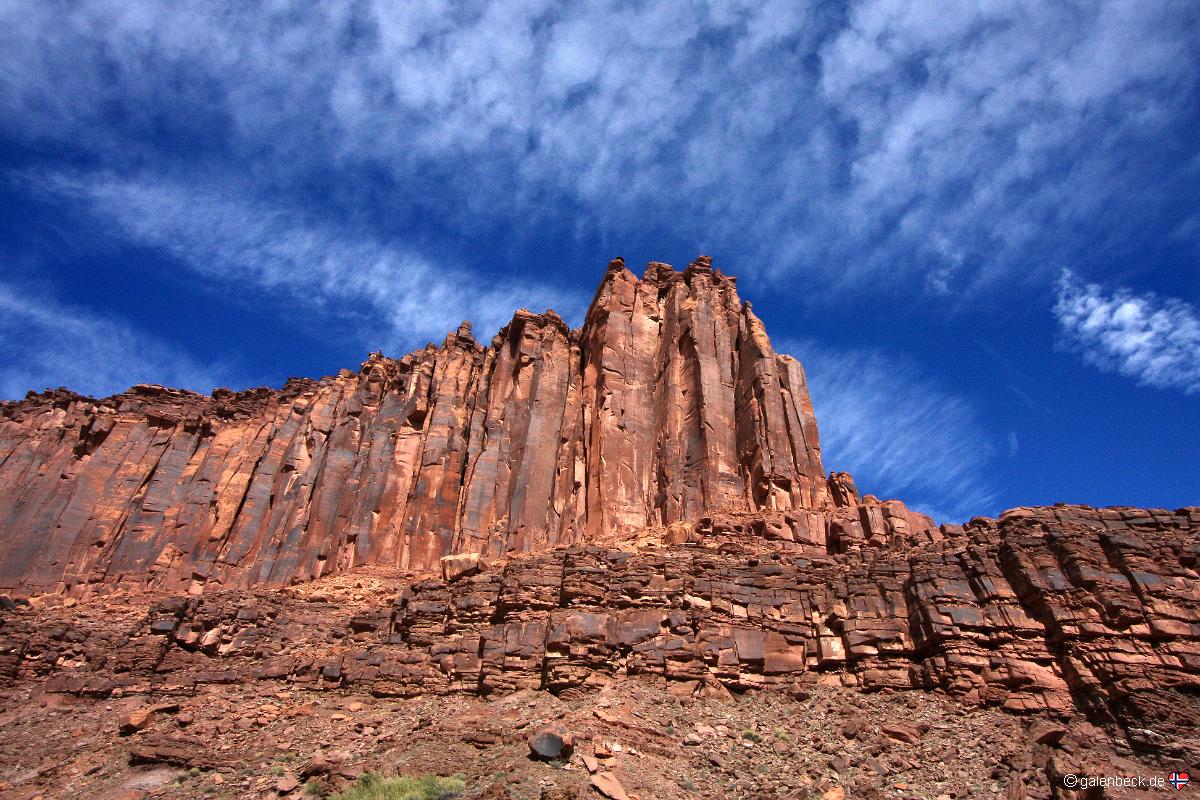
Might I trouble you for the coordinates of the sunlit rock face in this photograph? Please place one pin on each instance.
(669, 403)
(642, 498)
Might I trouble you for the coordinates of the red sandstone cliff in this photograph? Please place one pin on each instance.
(651, 490)
(669, 403)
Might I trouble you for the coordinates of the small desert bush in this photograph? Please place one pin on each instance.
(427, 787)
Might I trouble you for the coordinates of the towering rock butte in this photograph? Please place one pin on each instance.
(669, 404)
(641, 498)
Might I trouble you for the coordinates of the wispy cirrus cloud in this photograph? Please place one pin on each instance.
(1154, 340)
(385, 292)
(45, 344)
(876, 143)
(899, 431)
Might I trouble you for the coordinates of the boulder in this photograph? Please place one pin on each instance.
(550, 744)
(459, 565)
(136, 720)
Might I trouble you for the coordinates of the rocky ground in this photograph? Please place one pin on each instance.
(616, 546)
(634, 738)
(136, 694)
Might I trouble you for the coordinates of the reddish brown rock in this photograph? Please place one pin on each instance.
(459, 565)
(901, 732)
(135, 720)
(668, 404)
(648, 496)
(287, 784)
(609, 786)
(1054, 612)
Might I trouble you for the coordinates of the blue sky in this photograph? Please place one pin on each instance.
(976, 223)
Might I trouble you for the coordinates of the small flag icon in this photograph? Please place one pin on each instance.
(1178, 779)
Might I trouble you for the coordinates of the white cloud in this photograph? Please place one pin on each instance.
(386, 294)
(898, 143)
(962, 110)
(45, 344)
(1154, 340)
(898, 431)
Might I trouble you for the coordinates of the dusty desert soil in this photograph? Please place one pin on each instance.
(239, 741)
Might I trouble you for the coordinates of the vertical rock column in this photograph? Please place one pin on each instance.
(697, 468)
(620, 342)
(667, 404)
(522, 440)
(777, 442)
(432, 509)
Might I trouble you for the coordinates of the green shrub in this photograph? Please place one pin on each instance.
(751, 736)
(427, 787)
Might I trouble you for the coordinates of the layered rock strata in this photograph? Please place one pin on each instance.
(1049, 611)
(667, 404)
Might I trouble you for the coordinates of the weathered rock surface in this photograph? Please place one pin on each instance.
(667, 404)
(637, 503)
(1057, 612)
(242, 738)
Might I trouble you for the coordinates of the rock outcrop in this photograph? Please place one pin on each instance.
(637, 503)
(1056, 612)
(669, 403)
